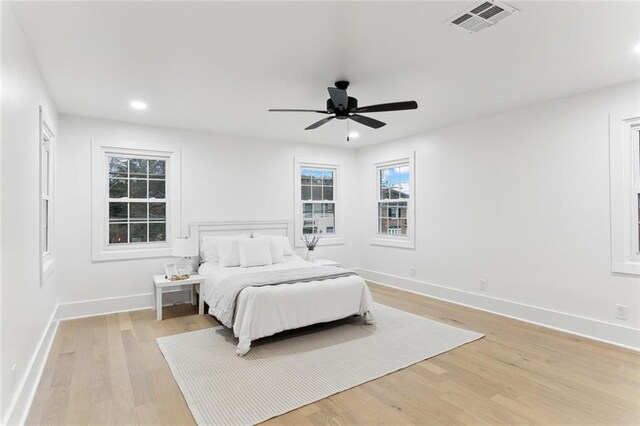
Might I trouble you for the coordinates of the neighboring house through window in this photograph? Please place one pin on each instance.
(394, 219)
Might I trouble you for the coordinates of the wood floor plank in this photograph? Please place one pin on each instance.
(109, 370)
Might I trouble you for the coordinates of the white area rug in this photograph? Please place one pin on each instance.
(287, 371)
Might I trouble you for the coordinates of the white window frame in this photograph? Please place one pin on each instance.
(391, 240)
(327, 239)
(101, 250)
(47, 188)
(625, 186)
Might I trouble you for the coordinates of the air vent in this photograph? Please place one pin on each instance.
(481, 16)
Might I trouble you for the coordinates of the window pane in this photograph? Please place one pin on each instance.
(118, 188)
(156, 189)
(307, 230)
(157, 232)
(305, 176)
(45, 217)
(138, 188)
(157, 211)
(157, 168)
(306, 192)
(384, 184)
(138, 233)
(307, 210)
(138, 212)
(316, 193)
(327, 192)
(118, 167)
(316, 177)
(383, 211)
(138, 167)
(405, 190)
(382, 226)
(118, 212)
(118, 233)
(327, 177)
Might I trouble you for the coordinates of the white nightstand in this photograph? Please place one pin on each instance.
(160, 283)
(327, 262)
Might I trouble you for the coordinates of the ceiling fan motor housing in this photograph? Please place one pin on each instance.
(342, 114)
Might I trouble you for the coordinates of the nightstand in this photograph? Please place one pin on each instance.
(326, 262)
(160, 283)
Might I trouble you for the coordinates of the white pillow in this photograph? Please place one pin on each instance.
(287, 247)
(254, 252)
(209, 249)
(228, 250)
(277, 249)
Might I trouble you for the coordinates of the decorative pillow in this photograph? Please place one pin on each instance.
(209, 249)
(228, 250)
(277, 249)
(254, 252)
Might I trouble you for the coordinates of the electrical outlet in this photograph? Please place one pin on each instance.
(483, 285)
(412, 271)
(621, 312)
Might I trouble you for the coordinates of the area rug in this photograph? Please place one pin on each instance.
(292, 369)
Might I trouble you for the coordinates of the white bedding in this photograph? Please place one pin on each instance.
(264, 311)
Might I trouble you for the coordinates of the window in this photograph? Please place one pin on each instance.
(394, 203)
(135, 202)
(625, 193)
(317, 202)
(393, 186)
(46, 197)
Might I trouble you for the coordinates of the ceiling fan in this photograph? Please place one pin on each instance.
(344, 107)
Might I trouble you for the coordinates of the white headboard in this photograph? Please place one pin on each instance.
(268, 227)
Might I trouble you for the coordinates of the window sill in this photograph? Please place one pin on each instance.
(630, 268)
(324, 241)
(130, 253)
(393, 242)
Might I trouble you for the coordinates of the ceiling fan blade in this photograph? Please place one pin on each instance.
(393, 106)
(320, 123)
(367, 121)
(338, 97)
(298, 110)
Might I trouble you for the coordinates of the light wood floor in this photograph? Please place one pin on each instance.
(109, 370)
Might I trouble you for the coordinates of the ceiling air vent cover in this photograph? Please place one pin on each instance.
(481, 16)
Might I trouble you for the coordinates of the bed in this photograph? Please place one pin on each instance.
(281, 296)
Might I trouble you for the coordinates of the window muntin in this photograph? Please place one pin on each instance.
(317, 195)
(393, 186)
(137, 199)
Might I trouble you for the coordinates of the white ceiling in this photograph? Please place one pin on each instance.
(220, 66)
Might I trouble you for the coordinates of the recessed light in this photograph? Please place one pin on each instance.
(354, 134)
(138, 105)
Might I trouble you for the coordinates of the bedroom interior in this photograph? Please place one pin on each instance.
(470, 171)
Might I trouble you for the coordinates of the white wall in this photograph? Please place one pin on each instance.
(26, 307)
(223, 178)
(520, 199)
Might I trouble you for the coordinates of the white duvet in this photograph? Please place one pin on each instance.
(264, 311)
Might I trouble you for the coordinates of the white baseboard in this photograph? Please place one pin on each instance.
(110, 305)
(22, 399)
(615, 334)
